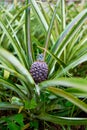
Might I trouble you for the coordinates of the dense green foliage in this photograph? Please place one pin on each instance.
(57, 30)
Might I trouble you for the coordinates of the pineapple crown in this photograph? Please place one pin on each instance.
(40, 57)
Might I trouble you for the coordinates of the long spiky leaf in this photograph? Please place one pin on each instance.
(50, 28)
(62, 120)
(28, 35)
(18, 67)
(13, 87)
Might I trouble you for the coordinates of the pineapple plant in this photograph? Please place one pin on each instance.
(36, 95)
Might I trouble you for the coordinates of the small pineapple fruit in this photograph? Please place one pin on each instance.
(39, 69)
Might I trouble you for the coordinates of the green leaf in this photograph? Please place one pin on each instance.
(19, 119)
(77, 49)
(30, 104)
(41, 17)
(59, 61)
(11, 70)
(39, 13)
(27, 104)
(28, 35)
(19, 12)
(16, 101)
(15, 122)
(63, 14)
(33, 103)
(16, 64)
(13, 126)
(6, 74)
(80, 84)
(73, 64)
(34, 124)
(6, 105)
(77, 92)
(50, 27)
(13, 61)
(13, 87)
(16, 119)
(62, 120)
(70, 31)
(69, 97)
(67, 35)
(13, 42)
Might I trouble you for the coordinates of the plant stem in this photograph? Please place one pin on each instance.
(28, 39)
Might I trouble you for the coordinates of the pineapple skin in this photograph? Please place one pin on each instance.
(39, 71)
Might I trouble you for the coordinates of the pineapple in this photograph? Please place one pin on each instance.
(39, 69)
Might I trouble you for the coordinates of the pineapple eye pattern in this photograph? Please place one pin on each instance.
(39, 71)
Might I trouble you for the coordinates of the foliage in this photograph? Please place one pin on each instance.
(62, 39)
